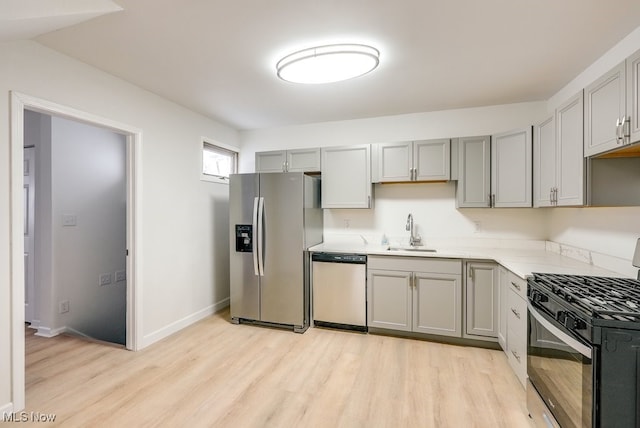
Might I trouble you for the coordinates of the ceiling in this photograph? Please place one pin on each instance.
(218, 57)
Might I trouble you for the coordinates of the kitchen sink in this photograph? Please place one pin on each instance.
(416, 249)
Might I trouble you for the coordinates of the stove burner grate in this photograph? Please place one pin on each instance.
(602, 297)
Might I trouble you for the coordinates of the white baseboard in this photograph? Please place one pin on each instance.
(182, 323)
(50, 332)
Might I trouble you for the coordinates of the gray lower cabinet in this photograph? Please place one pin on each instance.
(415, 295)
(481, 297)
(515, 311)
(503, 290)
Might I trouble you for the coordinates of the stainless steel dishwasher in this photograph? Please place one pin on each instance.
(340, 290)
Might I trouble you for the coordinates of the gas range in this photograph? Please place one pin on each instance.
(583, 352)
(580, 302)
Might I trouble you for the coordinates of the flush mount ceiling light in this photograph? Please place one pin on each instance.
(326, 64)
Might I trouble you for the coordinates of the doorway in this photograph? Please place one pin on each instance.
(133, 137)
(77, 283)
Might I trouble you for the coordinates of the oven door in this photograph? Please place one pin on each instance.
(560, 368)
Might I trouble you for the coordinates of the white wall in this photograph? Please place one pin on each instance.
(418, 126)
(89, 182)
(433, 205)
(436, 218)
(610, 231)
(183, 254)
(606, 62)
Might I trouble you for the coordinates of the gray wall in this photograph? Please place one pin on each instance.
(81, 172)
(89, 182)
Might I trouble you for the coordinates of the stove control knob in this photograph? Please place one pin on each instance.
(561, 317)
(580, 325)
(539, 297)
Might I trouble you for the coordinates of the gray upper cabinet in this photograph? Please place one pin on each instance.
(474, 172)
(302, 160)
(346, 176)
(432, 160)
(395, 161)
(482, 288)
(272, 161)
(559, 166)
(428, 160)
(544, 162)
(570, 188)
(605, 109)
(633, 96)
(511, 169)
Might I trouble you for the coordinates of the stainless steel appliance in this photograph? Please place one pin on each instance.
(274, 218)
(583, 354)
(340, 290)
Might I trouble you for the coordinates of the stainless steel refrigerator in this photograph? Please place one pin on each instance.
(274, 218)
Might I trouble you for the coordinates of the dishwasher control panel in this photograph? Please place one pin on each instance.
(339, 258)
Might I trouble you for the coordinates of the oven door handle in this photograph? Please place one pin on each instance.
(573, 343)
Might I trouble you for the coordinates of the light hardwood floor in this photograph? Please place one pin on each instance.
(216, 374)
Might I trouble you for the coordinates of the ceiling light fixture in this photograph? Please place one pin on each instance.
(326, 64)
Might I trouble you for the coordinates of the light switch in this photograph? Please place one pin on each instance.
(69, 220)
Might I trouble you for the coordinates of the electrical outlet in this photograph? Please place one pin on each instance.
(121, 275)
(63, 307)
(105, 279)
(477, 226)
(69, 220)
(347, 223)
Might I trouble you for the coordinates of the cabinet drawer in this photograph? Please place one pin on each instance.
(517, 354)
(415, 264)
(516, 313)
(517, 334)
(518, 285)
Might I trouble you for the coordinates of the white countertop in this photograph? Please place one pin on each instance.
(521, 261)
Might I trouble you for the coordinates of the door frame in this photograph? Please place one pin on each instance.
(19, 103)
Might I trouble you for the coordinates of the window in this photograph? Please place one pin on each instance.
(218, 162)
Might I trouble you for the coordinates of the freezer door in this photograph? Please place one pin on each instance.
(282, 284)
(245, 284)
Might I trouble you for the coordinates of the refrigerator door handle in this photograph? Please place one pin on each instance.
(255, 235)
(261, 236)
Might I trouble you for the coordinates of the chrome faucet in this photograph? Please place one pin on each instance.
(414, 239)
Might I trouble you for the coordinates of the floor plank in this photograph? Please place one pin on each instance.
(216, 374)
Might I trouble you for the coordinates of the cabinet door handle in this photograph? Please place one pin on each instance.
(626, 130)
(516, 313)
(620, 130)
(517, 286)
(516, 356)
